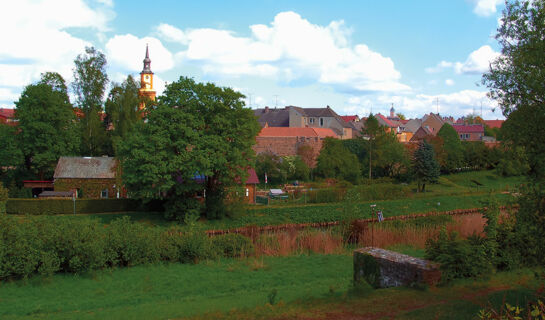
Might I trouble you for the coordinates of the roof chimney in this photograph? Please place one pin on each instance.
(266, 109)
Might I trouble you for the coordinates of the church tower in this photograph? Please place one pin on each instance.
(146, 81)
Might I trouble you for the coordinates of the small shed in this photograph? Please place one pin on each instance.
(89, 177)
(251, 184)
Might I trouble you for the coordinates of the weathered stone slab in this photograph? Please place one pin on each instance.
(383, 268)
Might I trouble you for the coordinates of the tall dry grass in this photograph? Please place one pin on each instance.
(293, 241)
(384, 235)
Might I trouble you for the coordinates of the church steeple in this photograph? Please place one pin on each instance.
(146, 81)
(147, 62)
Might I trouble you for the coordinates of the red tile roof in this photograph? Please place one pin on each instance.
(296, 132)
(494, 123)
(7, 113)
(349, 118)
(252, 177)
(388, 122)
(468, 128)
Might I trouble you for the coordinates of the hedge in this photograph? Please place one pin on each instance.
(48, 245)
(66, 206)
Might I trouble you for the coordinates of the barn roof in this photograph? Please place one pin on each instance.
(85, 168)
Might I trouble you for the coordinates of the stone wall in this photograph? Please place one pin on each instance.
(383, 268)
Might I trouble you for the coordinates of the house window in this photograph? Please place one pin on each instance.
(311, 120)
(321, 122)
(247, 192)
(104, 193)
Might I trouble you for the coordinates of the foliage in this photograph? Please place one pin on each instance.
(197, 132)
(426, 168)
(47, 125)
(271, 165)
(11, 154)
(90, 81)
(513, 161)
(233, 245)
(66, 206)
(122, 107)
(516, 76)
(371, 129)
(458, 258)
(336, 161)
(450, 154)
(47, 245)
(533, 311)
(296, 168)
(3, 198)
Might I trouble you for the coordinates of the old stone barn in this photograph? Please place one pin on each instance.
(90, 177)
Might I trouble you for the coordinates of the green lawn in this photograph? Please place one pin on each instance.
(176, 290)
(308, 286)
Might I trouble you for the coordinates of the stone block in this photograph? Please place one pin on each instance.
(383, 268)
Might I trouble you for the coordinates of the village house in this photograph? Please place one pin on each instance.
(469, 132)
(7, 116)
(89, 177)
(296, 117)
(284, 141)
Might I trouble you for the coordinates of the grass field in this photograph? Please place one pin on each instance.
(456, 191)
(309, 286)
(175, 290)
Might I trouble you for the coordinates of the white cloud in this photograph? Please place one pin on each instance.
(454, 104)
(171, 33)
(449, 82)
(439, 67)
(478, 61)
(36, 40)
(485, 8)
(121, 49)
(291, 50)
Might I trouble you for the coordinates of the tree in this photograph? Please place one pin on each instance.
(370, 131)
(47, 125)
(122, 107)
(450, 154)
(516, 79)
(336, 161)
(197, 132)
(90, 81)
(426, 168)
(400, 116)
(11, 154)
(271, 165)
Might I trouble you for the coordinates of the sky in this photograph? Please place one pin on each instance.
(356, 56)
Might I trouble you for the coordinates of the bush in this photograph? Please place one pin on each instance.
(233, 245)
(3, 198)
(326, 195)
(459, 258)
(66, 206)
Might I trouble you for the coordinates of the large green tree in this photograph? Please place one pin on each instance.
(47, 125)
(425, 166)
(370, 131)
(122, 108)
(90, 81)
(197, 130)
(451, 153)
(516, 81)
(336, 161)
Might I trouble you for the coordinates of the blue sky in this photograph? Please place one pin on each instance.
(355, 56)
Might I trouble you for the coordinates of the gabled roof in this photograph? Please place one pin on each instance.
(273, 117)
(420, 134)
(385, 121)
(7, 113)
(296, 132)
(252, 177)
(350, 118)
(85, 168)
(413, 125)
(468, 128)
(494, 123)
(320, 112)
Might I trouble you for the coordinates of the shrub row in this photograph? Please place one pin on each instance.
(47, 245)
(66, 206)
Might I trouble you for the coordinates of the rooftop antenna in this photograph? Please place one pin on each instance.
(437, 104)
(250, 100)
(275, 100)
